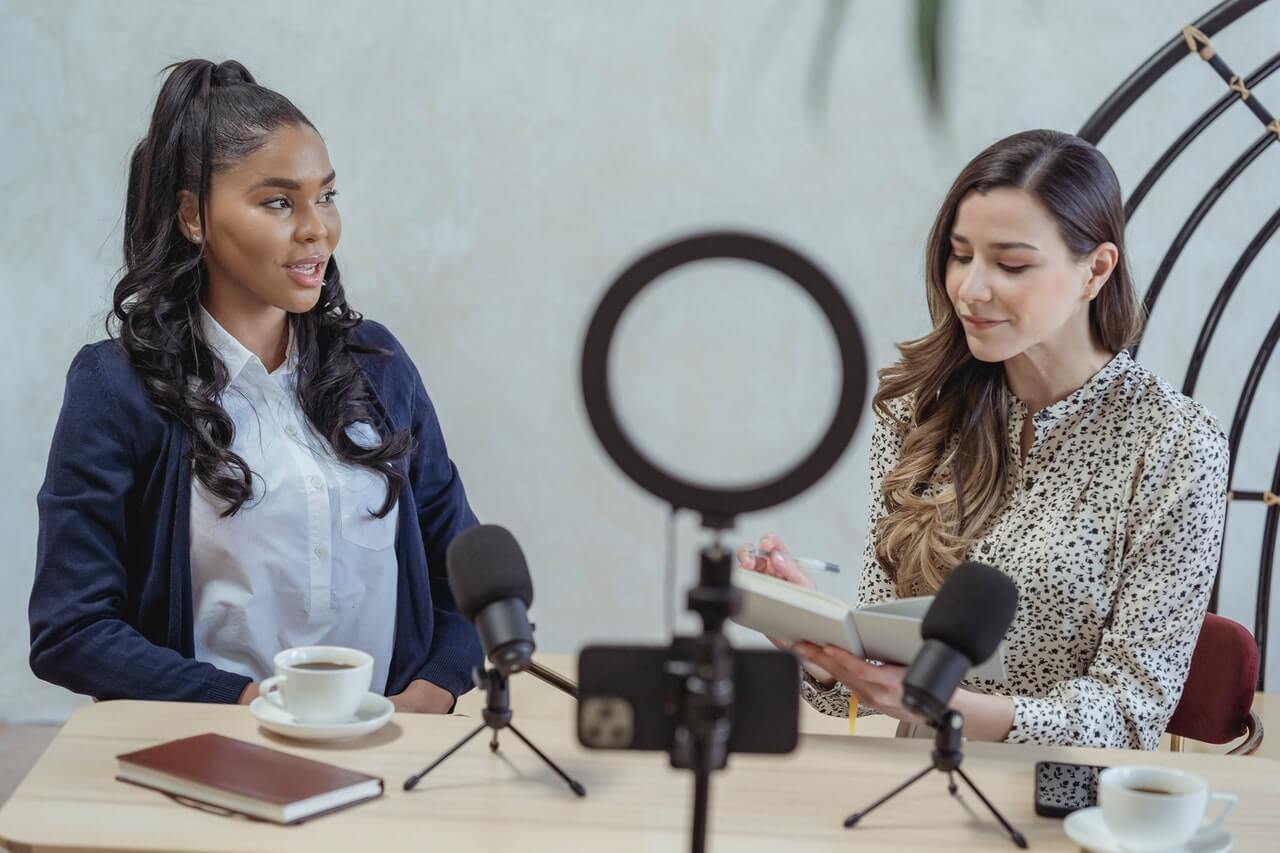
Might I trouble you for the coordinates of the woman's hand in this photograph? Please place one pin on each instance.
(248, 694)
(423, 697)
(778, 564)
(877, 686)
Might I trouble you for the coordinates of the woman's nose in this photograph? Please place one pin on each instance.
(311, 227)
(974, 287)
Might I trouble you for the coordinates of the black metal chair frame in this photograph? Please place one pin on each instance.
(1195, 39)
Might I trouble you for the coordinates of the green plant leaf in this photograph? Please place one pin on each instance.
(929, 51)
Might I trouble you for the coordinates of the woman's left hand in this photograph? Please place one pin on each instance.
(877, 686)
(423, 697)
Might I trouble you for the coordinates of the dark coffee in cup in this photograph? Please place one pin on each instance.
(1142, 790)
(322, 666)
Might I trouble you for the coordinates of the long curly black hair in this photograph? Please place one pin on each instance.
(207, 117)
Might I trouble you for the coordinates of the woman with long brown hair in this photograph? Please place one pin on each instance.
(1019, 432)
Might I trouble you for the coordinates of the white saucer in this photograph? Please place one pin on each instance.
(373, 714)
(1086, 828)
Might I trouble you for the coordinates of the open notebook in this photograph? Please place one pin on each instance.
(888, 632)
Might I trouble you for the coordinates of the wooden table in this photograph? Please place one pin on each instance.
(478, 801)
(533, 699)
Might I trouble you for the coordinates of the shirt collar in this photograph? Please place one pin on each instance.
(1083, 396)
(235, 356)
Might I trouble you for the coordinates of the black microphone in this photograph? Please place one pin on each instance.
(490, 581)
(963, 627)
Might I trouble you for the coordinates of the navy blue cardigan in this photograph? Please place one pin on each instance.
(111, 613)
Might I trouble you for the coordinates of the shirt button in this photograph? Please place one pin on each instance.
(291, 430)
(316, 483)
(320, 551)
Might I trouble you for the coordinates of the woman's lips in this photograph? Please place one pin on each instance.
(980, 325)
(307, 274)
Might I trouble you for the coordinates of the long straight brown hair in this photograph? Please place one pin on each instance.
(949, 482)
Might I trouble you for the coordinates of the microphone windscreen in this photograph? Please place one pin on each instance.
(972, 611)
(485, 564)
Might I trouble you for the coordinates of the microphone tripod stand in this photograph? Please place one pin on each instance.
(497, 716)
(946, 758)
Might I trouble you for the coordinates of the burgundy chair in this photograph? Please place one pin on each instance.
(1217, 702)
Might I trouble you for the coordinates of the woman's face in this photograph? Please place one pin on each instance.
(271, 224)
(1012, 280)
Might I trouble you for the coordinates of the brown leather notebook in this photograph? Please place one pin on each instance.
(246, 778)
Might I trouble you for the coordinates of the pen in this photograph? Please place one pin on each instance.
(807, 563)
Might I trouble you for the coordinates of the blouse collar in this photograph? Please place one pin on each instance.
(1082, 399)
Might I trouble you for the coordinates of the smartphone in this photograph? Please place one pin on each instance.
(629, 696)
(1063, 788)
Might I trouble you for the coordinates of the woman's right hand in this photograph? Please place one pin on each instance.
(778, 564)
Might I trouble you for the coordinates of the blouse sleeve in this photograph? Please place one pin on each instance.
(1172, 538)
(874, 585)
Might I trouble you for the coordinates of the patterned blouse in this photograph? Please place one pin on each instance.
(1111, 530)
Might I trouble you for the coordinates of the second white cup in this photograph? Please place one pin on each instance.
(1155, 808)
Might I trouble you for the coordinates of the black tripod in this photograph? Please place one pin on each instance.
(946, 757)
(705, 719)
(497, 715)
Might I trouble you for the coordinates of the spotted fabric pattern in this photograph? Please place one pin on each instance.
(1111, 530)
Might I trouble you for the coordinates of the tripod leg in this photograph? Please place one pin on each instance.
(951, 784)
(413, 780)
(493, 741)
(852, 819)
(574, 785)
(1014, 835)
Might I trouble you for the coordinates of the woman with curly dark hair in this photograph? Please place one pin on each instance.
(245, 464)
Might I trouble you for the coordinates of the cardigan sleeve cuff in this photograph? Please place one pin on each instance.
(455, 652)
(226, 687)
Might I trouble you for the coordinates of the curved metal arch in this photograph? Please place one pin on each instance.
(1210, 198)
(1267, 559)
(1224, 296)
(1208, 117)
(1262, 605)
(1238, 420)
(1174, 50)
(1245, 403)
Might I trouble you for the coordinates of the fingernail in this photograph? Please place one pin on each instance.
(777, 558)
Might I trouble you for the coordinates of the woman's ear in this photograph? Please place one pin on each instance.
(189, 216)
(1102, 262)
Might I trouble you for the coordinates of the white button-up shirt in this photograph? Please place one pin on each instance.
(304, 561)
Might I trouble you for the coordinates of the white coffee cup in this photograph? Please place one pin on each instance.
(1154, 808)
(319, 684)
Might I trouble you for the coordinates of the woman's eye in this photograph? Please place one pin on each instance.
(277, 203)
(1013, 270)
(961, 259)
(327, 198)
